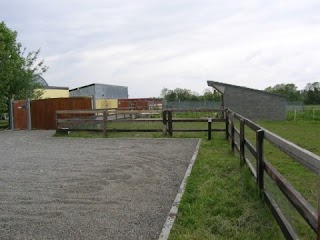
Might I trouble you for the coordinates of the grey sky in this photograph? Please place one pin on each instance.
(148, 45)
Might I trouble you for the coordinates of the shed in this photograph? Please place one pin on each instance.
(100, 91)
(251, 103)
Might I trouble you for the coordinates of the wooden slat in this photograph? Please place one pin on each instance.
(237, 131)
(74, 120)
(237, 146)
(79, 130)
(252, 125)
(198, 130)
(252, 169)
(136, 120)
(79, 111)
(251, 148)
(138, 111)
(198, 110)
(133, 130)
(297, 200)
(303, 156)
(285, 226)
(197, 120)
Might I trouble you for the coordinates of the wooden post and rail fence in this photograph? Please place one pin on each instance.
(307, 159)
(80, 120)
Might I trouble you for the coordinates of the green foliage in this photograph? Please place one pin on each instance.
(311, 93)
(288, 90)
(17, 68)
(186, 94)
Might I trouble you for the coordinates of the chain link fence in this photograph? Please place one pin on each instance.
(181, 105)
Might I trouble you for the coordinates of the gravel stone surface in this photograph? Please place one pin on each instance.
(76, 188)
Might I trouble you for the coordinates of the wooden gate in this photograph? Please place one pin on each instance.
(20, 114)
(43, 112)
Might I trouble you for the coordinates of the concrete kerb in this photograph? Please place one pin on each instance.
(164, 235)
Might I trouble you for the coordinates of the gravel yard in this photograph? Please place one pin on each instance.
(74, 188)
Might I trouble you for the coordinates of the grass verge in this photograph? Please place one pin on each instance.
(221, 200)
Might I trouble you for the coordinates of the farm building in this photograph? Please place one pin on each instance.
(51, 91)
(104, 95)
(251, 103)
(100, 91)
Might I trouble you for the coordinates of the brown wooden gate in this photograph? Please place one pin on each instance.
(20, 114)
(43, 112)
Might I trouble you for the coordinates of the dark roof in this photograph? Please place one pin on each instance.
(92, 84)
(54, 87)
(213, 83)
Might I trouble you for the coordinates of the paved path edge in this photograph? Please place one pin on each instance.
(165, 232)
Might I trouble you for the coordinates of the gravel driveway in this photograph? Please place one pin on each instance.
(74, 188)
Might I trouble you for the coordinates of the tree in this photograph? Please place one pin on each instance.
(211, 95)
(311, 93)
(188, 95)
(178, 94)
(288, 90)
(17, 68)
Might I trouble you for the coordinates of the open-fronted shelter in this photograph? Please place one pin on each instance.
(251, 103)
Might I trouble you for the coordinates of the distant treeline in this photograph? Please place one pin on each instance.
(309, 95)
(188, 95)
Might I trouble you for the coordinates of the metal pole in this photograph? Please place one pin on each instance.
(11, 120)
(209, 128)
(28, 114)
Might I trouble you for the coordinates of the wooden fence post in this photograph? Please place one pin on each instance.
(242, 141)
(170, 123)
(232, 132)
(209, 128)
(164, 122)
(105, 118)
(259, 146)
(227, 124)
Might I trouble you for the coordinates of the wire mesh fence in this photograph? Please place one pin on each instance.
(191, 104)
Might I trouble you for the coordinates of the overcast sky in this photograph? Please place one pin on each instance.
(151, 44)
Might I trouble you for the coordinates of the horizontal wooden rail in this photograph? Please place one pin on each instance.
(135, 120)
(296, 199)
(196, 110)
(197, 120)
(133, 130)
(198, 130)
(303, 156)
(251, 167)
(251, 148)
(285, 226)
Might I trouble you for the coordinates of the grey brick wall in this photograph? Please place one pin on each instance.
(255, 105)
(251, 103)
